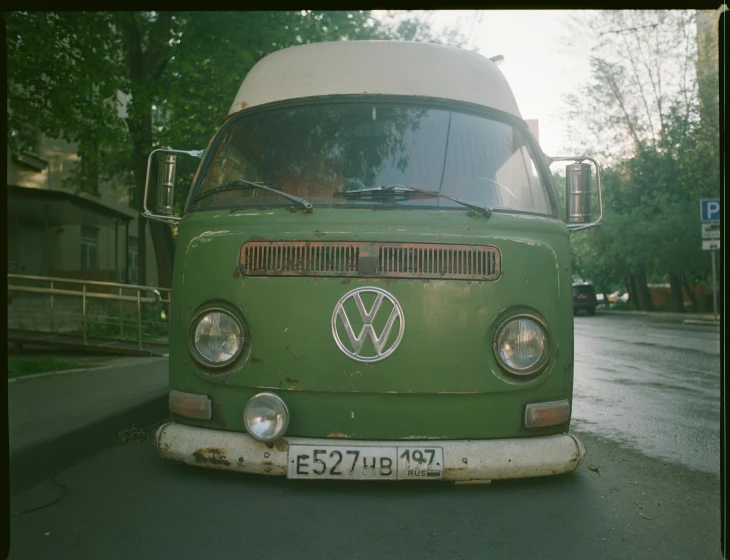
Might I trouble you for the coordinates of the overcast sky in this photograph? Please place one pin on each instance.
(537, 66)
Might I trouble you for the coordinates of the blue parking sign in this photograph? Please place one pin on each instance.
(710, 209)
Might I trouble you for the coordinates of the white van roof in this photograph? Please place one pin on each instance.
(378, 68)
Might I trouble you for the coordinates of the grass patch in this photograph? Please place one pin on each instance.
(19, 367)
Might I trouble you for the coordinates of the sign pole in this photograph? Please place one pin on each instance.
(710, 218)
(714, 289)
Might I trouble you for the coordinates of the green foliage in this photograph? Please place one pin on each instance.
(96, 64)
(657, 129)
(92, 79)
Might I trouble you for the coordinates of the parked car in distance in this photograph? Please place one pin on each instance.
(584, 299)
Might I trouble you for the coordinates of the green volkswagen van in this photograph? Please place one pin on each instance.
(372, 276)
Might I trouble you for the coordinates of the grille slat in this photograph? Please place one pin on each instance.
(394, 260)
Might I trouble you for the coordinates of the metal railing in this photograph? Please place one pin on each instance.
(88, 292)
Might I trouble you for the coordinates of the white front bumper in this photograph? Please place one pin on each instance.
(464, 460)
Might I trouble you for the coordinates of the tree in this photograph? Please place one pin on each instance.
(92, 65)
(659, 138)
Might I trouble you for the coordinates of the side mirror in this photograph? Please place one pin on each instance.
(166, 170)
(578, 193)
(579, 210)
(166, 184)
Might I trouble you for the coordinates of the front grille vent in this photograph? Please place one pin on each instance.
(372, 260)
(441, 261)
(282, 258)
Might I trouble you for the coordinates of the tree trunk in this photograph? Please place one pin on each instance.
(645, 302)
(140, 166)
(145, 67)
(162, 241)
(675, 285)
(690, 293)
(632, 291)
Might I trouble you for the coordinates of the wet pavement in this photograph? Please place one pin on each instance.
(646, 407)
(649, 385)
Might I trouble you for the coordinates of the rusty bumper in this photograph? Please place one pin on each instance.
(464, 460)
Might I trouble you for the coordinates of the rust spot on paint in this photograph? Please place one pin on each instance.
(288, 380)
(236, 272)
(337, 435)
(345, 281)
(255, 238)
(244, 104)
(240, 461)
(281, 445)
(454, 469)
(212, 456)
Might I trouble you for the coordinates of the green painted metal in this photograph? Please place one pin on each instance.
(442, 382)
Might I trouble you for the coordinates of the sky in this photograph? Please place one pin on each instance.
(539, 69)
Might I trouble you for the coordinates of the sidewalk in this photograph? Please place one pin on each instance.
(57, 420)
(688, 318)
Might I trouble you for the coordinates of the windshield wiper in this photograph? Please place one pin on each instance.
(483, 210)
(244, 184)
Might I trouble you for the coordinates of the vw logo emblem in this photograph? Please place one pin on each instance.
(382, 346)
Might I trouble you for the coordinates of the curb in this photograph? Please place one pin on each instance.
(36, 462)
(691, 319)
(49, 373)
(67, 371)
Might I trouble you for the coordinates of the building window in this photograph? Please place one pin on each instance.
(89, 248)
(133, 264)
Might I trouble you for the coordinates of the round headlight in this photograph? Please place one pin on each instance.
(522, 345)
(216, 338)
(266, 417)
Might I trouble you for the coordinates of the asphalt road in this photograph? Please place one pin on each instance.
(651, 386)
(638, 385)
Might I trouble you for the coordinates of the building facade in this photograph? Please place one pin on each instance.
(57, 227)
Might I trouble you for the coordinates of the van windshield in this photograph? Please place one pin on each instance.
(325, 152)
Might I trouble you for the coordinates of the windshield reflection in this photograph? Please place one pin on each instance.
(314, 151)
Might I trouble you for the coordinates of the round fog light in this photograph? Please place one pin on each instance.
(266, 417)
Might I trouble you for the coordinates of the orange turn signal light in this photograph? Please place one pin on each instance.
(190, 405)
(538, 415)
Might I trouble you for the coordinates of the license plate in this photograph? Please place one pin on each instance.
(365, 463)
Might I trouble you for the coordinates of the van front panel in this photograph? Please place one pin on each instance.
(442, 380)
